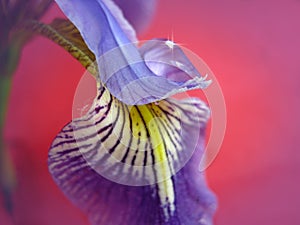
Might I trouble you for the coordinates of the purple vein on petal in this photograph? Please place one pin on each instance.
(81, 164)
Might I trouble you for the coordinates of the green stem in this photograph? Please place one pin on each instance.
(7, 176)
(5, 86)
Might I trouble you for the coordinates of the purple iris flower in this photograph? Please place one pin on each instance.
(133, 157)
(138, 12)
(121, 64)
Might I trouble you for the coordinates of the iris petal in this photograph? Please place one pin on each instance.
(138, 12)
(98, 27)
(127, 151)
(118, 15)
(165, 58)
(119, 142)
(122, 67)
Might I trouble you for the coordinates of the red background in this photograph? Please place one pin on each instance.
(253, 49)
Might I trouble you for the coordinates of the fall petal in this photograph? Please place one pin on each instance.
(143, 149)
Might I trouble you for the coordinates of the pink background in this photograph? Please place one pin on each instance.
(253, 49)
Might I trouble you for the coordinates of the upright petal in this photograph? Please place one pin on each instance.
(121, 66)
(138, 12)
(99, 27)
(165, 58)
(119, 16)
(136, 80)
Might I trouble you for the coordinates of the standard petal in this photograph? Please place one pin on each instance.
(167, 59)
(119, 16)
(122, 68)
(98, 26)
(134, 146)
(138, 12)
(133, 79)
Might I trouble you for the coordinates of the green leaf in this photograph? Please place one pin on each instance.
(65, 34)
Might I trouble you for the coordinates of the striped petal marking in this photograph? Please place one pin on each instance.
(131, 145)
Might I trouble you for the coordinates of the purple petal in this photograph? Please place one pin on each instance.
(96, 23)
(138, 12)
(119, 16)
(75, 159)
(166, 59)
(122, 68)
(162, 73)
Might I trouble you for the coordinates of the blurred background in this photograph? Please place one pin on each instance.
(253, 48)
